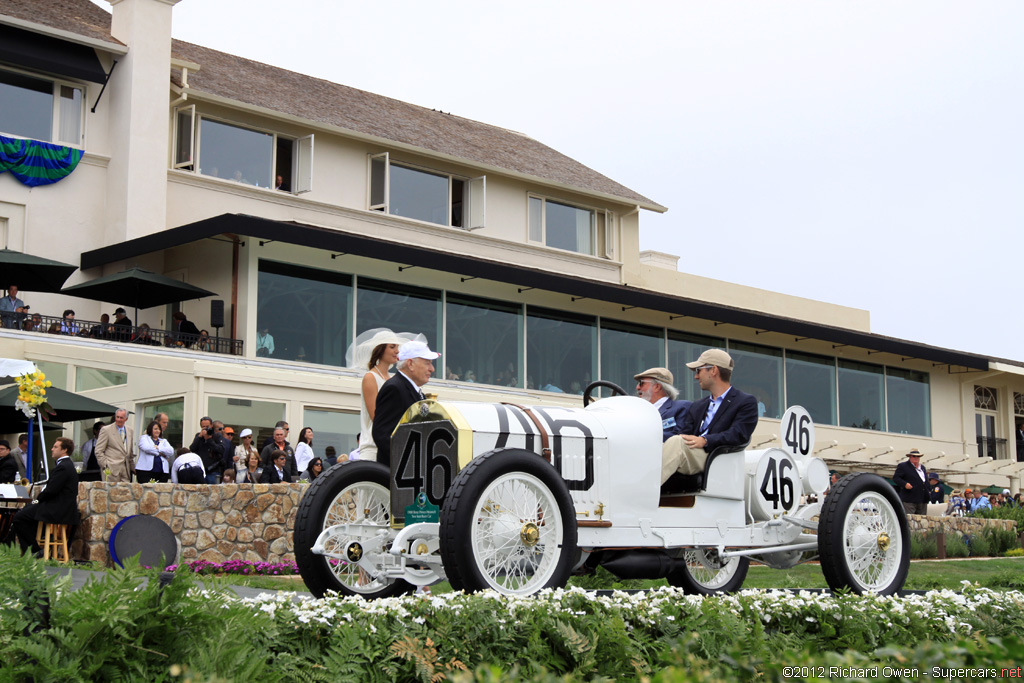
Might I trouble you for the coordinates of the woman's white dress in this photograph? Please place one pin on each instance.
(367, 448)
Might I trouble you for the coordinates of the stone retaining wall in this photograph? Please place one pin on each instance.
(211, 522)
(961, 525)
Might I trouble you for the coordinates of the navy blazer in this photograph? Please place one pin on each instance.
(732, 425)
(672, 415)
(269, 476)
(58, 501)
(393, 399)
(906, 474)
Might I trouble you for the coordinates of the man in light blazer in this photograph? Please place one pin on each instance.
(415, 366)
(726, 418)
(115, 448)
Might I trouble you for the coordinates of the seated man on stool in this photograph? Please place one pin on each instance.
(726, 418)
(57, 503)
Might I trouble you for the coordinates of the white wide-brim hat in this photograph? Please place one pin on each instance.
(358, 354)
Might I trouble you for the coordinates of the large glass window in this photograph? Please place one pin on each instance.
(484, 341)
(27, 109)
(56, 373)
(175, 409)
(305, 312)
(811, 383)
(561, 226)
(87, 379)
(235, 153)
(438, 198)
(400, 308)
(758, 371)
(244, 413)
(628, 349)
(331, 428)
(561, 350)
(908, 400)
(685, 348)
(861, 395)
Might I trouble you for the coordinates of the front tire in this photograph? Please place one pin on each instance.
(356, 493)
(508, 524)
(706, 574)
(863, 536)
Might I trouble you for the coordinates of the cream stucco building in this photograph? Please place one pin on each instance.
(316, 211)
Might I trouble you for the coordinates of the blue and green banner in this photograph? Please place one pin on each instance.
(37, 163)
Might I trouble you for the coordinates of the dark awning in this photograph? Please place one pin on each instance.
(360, 245)
(49, 54)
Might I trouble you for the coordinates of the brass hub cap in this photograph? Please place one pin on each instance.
(354, 552)
(529, 534)
(883, 541)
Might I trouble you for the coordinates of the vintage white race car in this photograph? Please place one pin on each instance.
(495, 495)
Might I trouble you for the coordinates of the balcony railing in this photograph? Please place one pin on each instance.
(992, 447)
(128, 334)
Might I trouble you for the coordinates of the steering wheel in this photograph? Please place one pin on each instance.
(619, 391)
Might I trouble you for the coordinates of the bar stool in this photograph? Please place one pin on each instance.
(53, 538)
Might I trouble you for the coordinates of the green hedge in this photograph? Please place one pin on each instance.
(118, 629)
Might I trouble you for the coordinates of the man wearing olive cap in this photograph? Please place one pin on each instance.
(656, 387)
(726, 418)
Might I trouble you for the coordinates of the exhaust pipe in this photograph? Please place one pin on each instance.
(641, 564)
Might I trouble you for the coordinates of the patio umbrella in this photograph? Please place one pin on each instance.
(68, 406)
(137, 288)
(33, 273)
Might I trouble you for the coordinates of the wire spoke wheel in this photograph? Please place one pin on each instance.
(706, 573)
(863, 536)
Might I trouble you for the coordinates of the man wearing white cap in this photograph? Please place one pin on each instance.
(726, 418)
(415, 366)
(655, 386)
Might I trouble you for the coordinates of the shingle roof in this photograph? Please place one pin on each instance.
(332, 104)
(75, 16)
(306, 97)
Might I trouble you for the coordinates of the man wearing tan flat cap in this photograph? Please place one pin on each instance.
(726, 418)
(656, 386)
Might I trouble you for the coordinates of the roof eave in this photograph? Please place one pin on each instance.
(115, 48)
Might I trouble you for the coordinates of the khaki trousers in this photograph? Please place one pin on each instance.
(119, 470)
(676, 456)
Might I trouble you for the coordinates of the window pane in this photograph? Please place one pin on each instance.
(26, 106)
(400, 308)
(628, 349)
(87, 379)
(378, 180)
(484, 341)
(569, 228)
(305, 311)
(561, 351)
(536, 219)
(56, 373)
(909, 401)
(331, 428)
(685, 348)
(183, 146)
(861, 395)
(175, 409)
(70, 115)
(811, 383)
(244, 413)
(758, 371)
(235, 153)
(418, 194)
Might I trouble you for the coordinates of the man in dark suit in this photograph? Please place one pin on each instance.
(185, 331)
(278, 470)
(911, 481)
(656, 386)
(1020, 442)
(8, 466)
(415, 366)
(56, 503)
(726, 418)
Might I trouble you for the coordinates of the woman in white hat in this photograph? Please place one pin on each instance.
(375, 350)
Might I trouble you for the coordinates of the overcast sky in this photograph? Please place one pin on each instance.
(865, 153)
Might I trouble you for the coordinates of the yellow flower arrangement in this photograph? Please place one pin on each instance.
(32, 388)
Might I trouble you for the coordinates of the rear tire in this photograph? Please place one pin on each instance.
(706, 574)
(863, 536)
(354, 493)
(508, 524)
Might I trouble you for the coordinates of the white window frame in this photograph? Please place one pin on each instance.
(474, 210)
(55, 108)
(597, 249)
(190, 112)
(302, 150)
